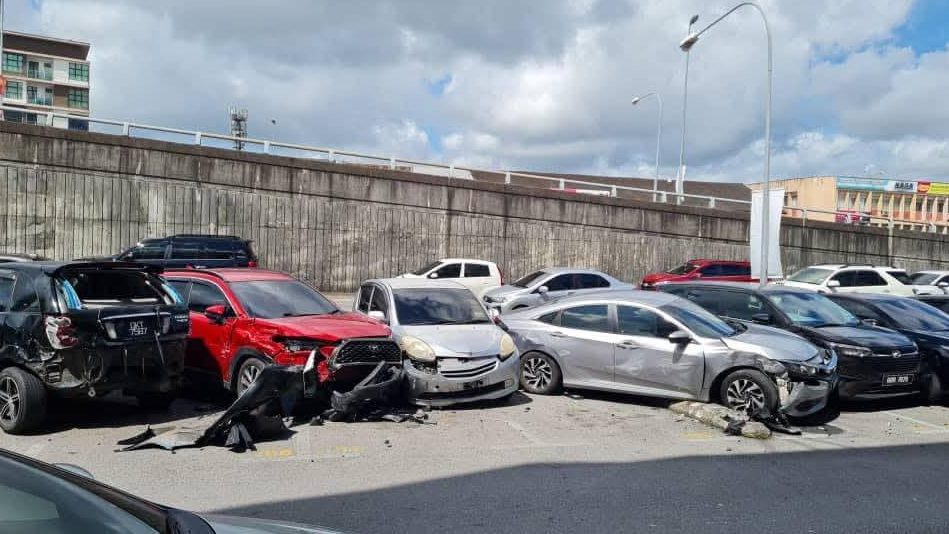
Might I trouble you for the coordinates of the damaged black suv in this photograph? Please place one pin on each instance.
(73, 329)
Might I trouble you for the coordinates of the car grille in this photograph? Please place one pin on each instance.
(886, 363)
(470, 372)
(367, 352)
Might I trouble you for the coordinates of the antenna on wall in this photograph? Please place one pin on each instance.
(238, 125)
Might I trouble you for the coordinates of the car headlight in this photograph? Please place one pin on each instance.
(499, 300)
(417, 349)
(507, 347)
(299, 344)
(851, 351)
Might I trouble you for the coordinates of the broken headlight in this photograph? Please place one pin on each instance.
(507, 347)
(417, 349)
(851, 351)
(293, 344)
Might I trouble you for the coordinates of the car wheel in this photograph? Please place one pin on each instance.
(539, 373)
(22, 401)
(932, 390)
(247, 374)
(156, 401)
(747, 390)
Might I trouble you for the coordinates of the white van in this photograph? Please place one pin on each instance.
(477, 275)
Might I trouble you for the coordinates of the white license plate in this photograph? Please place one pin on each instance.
(897, 380)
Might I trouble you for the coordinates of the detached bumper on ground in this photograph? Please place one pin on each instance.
(476, 380)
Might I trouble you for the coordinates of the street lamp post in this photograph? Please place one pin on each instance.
(680, 179)
(686, 45)
(637, 100)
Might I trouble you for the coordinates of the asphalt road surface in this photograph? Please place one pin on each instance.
(583, 462)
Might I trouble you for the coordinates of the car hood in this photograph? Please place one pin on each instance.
(224, 524)
(458, 339)
(652, 278)
(773, 343)
(876, 338)
(409, 275)
(504, 291)
(329, 327)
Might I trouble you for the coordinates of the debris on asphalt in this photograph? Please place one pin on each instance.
(729, 421)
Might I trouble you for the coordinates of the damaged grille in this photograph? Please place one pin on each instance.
(367, 352)
(470, 372)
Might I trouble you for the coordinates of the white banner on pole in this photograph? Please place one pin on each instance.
(774, 232)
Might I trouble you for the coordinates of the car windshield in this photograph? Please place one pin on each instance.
(700, 321)
(812, 309)
(270, 299)
(525, 281)
(901, 276)
(914, 315)
(416, 307)
(811, 275)
(429, 267)
(685, 268)
(924, 279)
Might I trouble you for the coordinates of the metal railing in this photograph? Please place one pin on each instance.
(459, 172)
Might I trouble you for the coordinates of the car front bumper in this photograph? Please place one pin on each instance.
(804, 398)
(426, 386)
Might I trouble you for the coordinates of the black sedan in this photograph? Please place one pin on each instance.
(926, 325)
(937, 301)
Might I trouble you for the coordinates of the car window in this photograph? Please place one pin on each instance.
(901, 276)
(811, 309)
(204, 295)
(477, 270)
(738, 305)
(7, 281)
(711, 270)
(362, 303)
(449, 270)
(731, 269)
(183, 287)
(706, 298)
(859, 309)
(219, 249)
(924, 279)
(811, 275)
(594, 317)
(527, 280)
(25, 298)
(415, 307)
(563, 282)
(846, 278)
(146, 251)
(107, 287)
(697, 319)
(914, 315)
(869, 278)
(591, 281)
(421, 271)
(379, 302)
(685, 268)
(633, 321)
(272, 299)
(188, 250)
(550, 318)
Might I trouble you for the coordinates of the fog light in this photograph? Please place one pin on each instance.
(509, 382)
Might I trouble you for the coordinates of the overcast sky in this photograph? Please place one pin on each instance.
(860, 85)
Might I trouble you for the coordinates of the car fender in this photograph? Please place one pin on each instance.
(240, 356)
(719, 367)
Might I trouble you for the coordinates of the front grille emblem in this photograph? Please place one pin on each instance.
(373, 348)
(897, 354)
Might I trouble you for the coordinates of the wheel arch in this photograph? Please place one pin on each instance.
(714, 391)
(240, 356)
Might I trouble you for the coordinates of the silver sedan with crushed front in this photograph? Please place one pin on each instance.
(454, 352)
(659, 345)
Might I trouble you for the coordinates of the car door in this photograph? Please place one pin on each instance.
(561, 285)
(477, 278)
(209, 344)
(449, 271)
(582, 339)
(646, 362)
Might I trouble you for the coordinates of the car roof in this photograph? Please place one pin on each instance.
(836, 266)
(747, 286)
(415, 283)
(931, 272)
(872, 297)
(231, 274)
(468, 260)
(561, 270)
(709, 260)
(637, 296)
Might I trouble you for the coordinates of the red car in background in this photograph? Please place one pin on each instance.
(245, 319)
(719, 270)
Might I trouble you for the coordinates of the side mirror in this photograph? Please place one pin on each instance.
(433, 275)
(869, 322)
(217, 312)
(761, 318)
(833, 283)
(943, 284)
(542, 291)
(680, 337)
(378, 315)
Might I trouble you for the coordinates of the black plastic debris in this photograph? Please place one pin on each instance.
(373, 397)
(774, 421)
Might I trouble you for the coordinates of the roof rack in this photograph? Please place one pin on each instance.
(209, 236)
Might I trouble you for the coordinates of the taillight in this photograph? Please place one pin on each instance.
(61, 333)
(252, 263)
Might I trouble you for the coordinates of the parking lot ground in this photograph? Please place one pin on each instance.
(582, 461)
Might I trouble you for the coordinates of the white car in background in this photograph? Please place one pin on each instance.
(834, 278)
(939, 279)
(477, 275)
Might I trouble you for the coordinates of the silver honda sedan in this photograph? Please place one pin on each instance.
(656, 344)
(454, 352)
(549, 284)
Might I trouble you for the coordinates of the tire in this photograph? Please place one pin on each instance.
(931, 391)
(747, 390)
(247, 373)
(156, 401)
(22, 401)
(540, 374)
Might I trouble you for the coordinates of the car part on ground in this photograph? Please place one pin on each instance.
(86, 329)
(655, 344)
(454, 351)
(540, 287)
(868, 355)
(724, 270)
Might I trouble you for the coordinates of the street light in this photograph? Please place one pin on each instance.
(680, 179)
(686, 45)
(637, 100)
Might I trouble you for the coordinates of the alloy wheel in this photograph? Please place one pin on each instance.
(744, 395)
(9, 399)
(537, 372)
(248, 377)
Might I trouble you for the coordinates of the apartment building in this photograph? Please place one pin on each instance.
(45, 74)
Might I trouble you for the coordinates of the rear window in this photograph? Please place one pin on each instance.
(476, 270)
(811, 275)
(924, 279)
(113, 288)
(901, 276)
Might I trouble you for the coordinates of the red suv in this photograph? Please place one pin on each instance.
(245, 319)
(720, 270)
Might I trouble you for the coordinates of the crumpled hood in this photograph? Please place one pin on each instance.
(453, 340)
(328, 327)
(503, 291)
(774, 343)
(876, 338)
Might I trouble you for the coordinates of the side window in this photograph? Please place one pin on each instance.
(711, 270)
(634, 321)
(25, 298)
(365, 292)
(735, 270)
(862, 311)
(846, 278)
(204, 295)
(706, 298)
(146, 251)
(589, 281)
(216, 249)
(182, 287)
(738, 305)
(869, 278)
(593, 317)
(379, 302)
(563, 282)
(187, 250)
(451, 270)
(550, 318)
(477, 270)
(7, 282)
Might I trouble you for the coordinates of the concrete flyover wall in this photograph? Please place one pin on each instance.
(72, 194)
